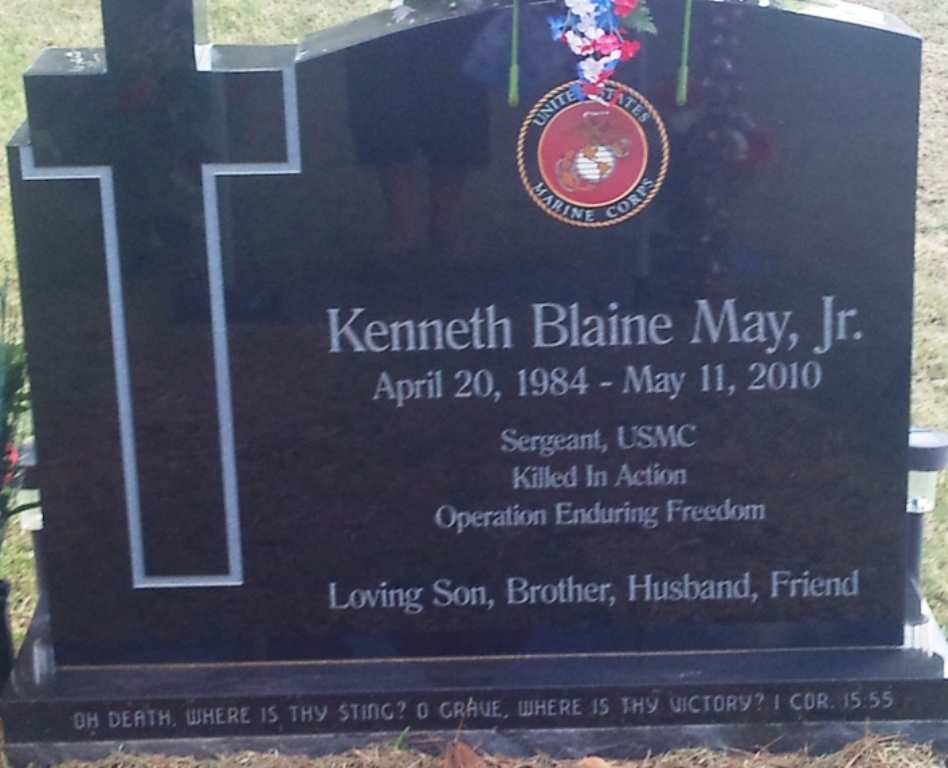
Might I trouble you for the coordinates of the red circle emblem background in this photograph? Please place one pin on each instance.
(592, 154)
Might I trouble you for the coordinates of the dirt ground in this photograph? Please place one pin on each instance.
(869, 752)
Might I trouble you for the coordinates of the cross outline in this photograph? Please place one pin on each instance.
(210, 172)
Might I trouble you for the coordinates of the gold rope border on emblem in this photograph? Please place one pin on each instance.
(663, 171)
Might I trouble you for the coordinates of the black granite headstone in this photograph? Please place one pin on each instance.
(579, 414)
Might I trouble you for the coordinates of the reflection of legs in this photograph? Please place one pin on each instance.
(446, 188)
(401, 189)
(402, 186)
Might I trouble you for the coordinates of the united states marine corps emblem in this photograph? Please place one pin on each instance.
(593, 163)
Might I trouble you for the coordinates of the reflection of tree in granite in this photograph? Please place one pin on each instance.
(719, 146)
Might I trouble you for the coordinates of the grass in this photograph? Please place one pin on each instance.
(17, 567)
(252, 21)
(868, 752)
(27, 26)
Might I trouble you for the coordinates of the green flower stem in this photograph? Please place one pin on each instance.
(685, 51)
(22, 508)
(513, 92)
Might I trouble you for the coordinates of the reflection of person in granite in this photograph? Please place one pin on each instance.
(410, 99)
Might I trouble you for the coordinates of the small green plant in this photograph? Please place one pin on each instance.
(400, 741)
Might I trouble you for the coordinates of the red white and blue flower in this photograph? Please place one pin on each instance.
(596, 30)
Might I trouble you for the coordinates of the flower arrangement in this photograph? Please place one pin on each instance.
(598, 31)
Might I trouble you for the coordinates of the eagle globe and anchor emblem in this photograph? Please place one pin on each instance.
(582, 170)
(593, 163)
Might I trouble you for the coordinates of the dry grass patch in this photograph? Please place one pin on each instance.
(869, 752)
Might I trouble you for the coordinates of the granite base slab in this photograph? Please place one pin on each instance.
(621, 705)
